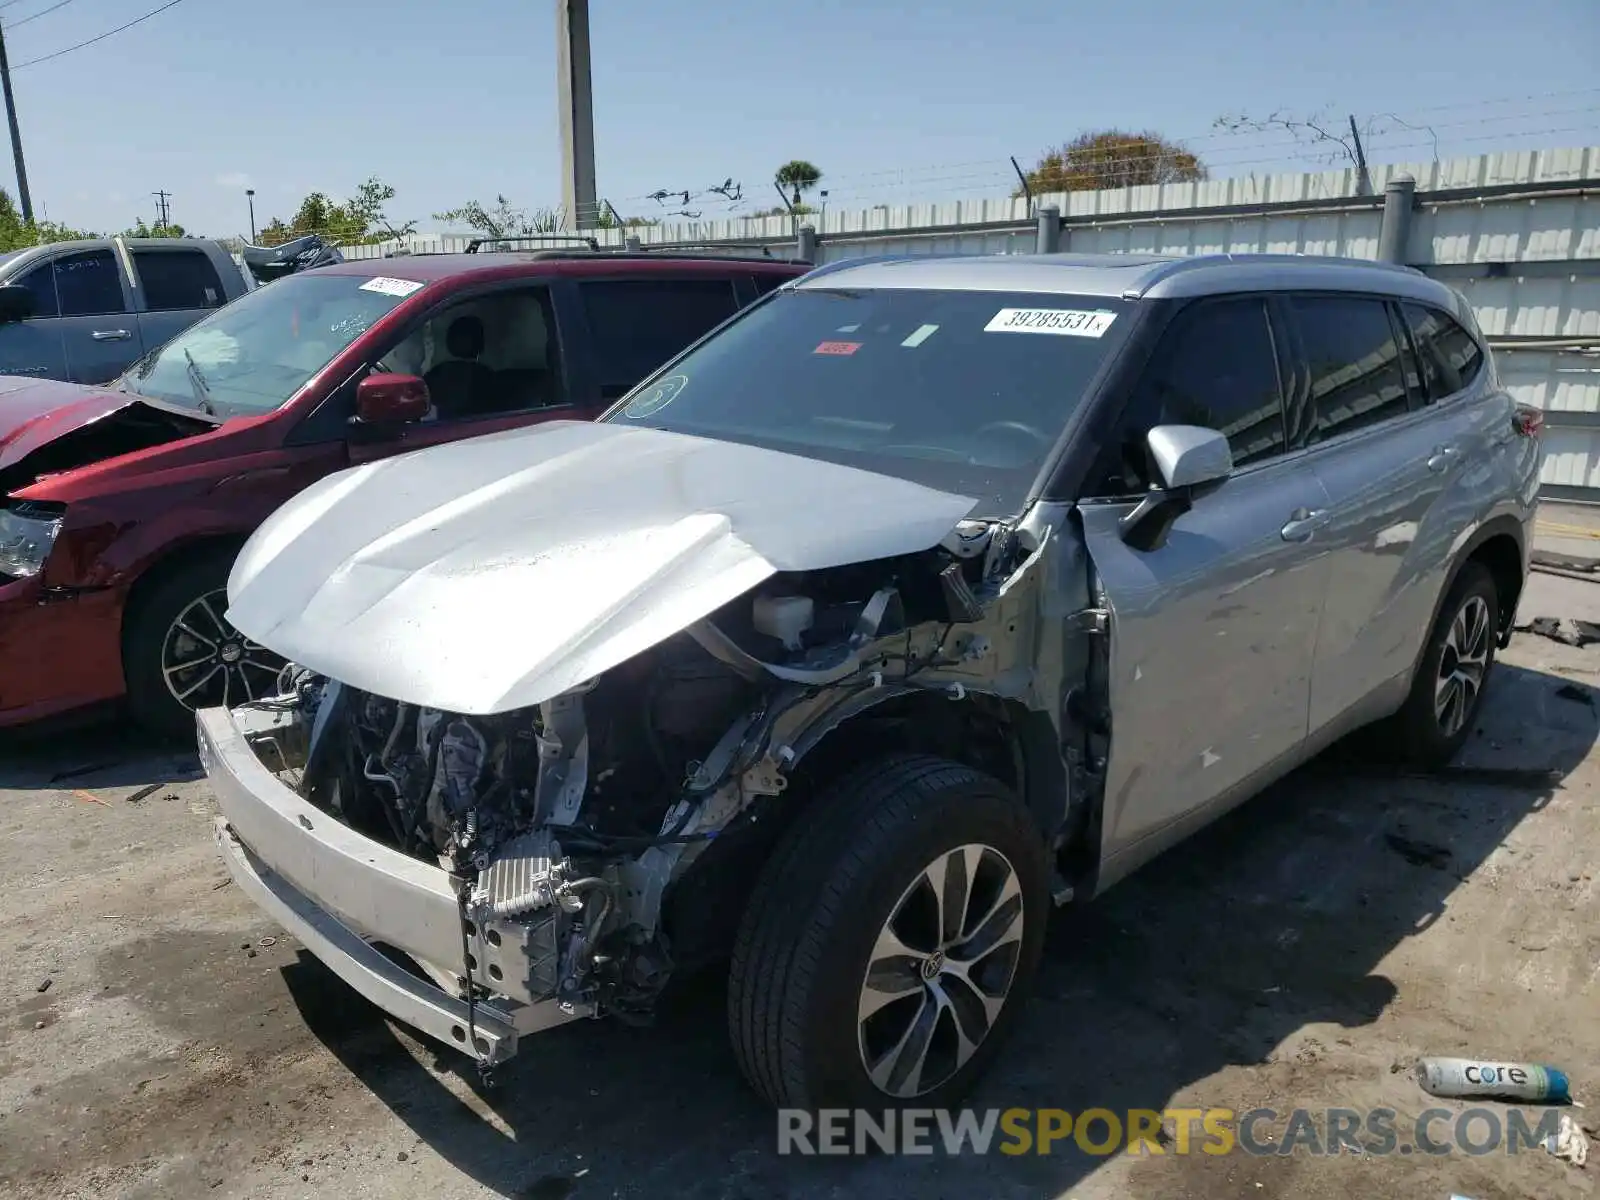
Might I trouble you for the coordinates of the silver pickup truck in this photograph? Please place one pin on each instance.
(85, 311)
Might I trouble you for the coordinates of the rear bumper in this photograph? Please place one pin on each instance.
(337, 891)
(58, 652)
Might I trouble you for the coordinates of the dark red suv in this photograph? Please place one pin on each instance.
(121, 508)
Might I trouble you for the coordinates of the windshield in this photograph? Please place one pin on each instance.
(963, 391)
(252, 355)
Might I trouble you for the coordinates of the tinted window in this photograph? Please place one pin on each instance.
(41, 281)
(768, 283)
(965, 391)
(1354, 362)
(639, 324)
(177, 279)
(89, 284)
(1215, 367)
(1450, 358)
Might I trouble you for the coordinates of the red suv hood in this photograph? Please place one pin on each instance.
(34, 412)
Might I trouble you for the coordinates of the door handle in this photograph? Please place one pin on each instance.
(110, 335)
(1442, 458)
(1303, 522)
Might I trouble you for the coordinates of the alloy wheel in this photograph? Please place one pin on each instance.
(1462, 665)
(205, 661)
(940, 971)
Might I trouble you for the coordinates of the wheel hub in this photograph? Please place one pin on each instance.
(940, 972)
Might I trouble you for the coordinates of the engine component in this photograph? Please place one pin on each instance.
(528, 874)
(785, 618)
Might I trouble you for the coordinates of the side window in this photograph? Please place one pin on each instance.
(1354, 362)
(1215, 366)
(89, 284)
(176, 279)
(766, 282)
(41, 281)
(639, 324)
(485, 355)
(1450, 356)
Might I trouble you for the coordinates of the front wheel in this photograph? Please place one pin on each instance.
(1447, 692)
(179, 653)
(890, 942)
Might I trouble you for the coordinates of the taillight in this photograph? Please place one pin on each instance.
(1528, 420)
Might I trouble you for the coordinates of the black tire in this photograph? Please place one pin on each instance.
(834, 881)
(149, 623)
(1418, 733)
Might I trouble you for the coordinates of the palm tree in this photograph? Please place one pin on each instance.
(797, 176)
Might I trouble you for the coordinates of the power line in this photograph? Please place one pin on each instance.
(44, 12)
(100, 38)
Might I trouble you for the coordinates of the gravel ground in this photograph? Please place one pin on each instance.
(1301, 953)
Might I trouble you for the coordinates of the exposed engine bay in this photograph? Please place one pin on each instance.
(567, 827)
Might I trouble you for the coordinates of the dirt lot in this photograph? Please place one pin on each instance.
(1296, 955)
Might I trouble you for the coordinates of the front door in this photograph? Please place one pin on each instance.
(1213, 633)
(99, 329)
(177, 286)
(492, 361)
(35, 347)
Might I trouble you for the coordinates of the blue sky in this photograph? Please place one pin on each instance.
(894, 101)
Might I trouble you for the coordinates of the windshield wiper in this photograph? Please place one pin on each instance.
(202, 393)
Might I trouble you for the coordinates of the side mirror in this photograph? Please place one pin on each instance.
(384, 401)
(1192, 461)
(16, 303)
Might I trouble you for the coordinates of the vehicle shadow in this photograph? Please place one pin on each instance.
(105, 751)
(1275, 918)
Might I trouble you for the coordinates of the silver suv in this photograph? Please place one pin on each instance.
(921, 596)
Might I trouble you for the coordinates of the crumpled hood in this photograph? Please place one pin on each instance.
(35, 412)
(496, 572)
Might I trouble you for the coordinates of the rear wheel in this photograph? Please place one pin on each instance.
(890, 941)
(179, 652)
(1447, 692)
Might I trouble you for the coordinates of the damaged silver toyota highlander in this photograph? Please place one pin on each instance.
(918, 598)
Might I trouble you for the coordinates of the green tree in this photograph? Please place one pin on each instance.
(797, 177)
(360, 220)
(17, 234)
(504, 220)
(141, 230)
(1112, 158)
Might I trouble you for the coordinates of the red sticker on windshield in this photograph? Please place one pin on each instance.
(837, 348)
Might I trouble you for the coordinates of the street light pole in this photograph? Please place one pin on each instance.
(24, 199)
(250, 195)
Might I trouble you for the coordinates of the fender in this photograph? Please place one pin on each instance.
(1505, 524)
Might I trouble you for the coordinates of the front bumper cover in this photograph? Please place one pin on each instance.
(337, 891)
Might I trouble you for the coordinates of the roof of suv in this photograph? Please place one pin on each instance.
(1132, 276)
(427, 268)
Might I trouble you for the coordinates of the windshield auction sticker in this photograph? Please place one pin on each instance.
(1063, 322)
(391, 287)
(656, 397)
(838, 349)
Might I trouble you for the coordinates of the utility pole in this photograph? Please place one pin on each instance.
(23, 197)
(162, 211)
(250, 195)
(1363, 176)
(576, 104)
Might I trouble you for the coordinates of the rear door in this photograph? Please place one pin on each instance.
(1388, 460)
(1213, 633)
(36, 347)
(176, 287)
(99, 329)
(635, 325)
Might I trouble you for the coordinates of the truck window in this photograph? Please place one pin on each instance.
(178, 279)
(41, 281)
(89, 284)
(638, 324)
